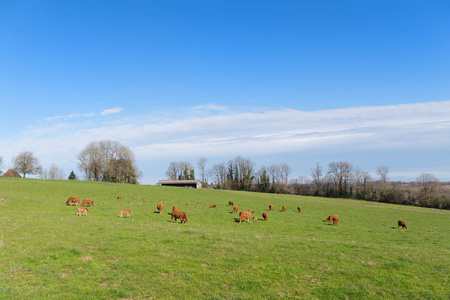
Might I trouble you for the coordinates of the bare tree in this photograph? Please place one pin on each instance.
(219, 174)
(285, 171)
(26, 163)
(362, 179)
(55, 172)
(316, 175)
(108, 161)
(341, 173)
(173, 170)
(202, 166)
(383, 172)
(428, 185)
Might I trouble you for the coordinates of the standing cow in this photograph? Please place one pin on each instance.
(244, 215)
(283, 209)
(402, 224)
(265, 216)
(160, 207)
(235, 209)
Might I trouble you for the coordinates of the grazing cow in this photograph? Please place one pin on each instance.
(270, 207)
(283, 208)
(299, 209)
(235, 209)
(87, 201)
(231, 203)
(130, 202)
(71, 200)
(188, 203)
(160, 207)
(251, 211)
(265, 216)
(125, 212)
(178, 214)
(255, 218)
(402, 224)
(118, 197)
(83, 210)
(213, 206)
(244, 215)
(333, 218)
(140, 203)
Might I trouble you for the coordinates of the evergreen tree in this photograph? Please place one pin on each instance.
(72, 176)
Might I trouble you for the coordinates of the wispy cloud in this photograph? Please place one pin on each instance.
(111, 111)
(391, 128)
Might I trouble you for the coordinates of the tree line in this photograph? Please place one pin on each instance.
(108, 161)
(340, 180)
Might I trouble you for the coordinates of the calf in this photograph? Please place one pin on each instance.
(283, 209)
(231, 203)
(83, 210)
(265, 216)
(87, 201)
(402, 224)
(160, 207)
(270, 207)
(235, 209)
(333, 218)
(125, 212)
(213, 206)
(244, 215)
(178, 214)
(71, 200)
(299, 209)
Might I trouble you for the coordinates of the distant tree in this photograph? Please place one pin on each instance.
(173, 170)
(341, 174)
(219, 174)
(1, 165)
(55, 172)
(383, 172)
(316, 175)
(26, 163)
(202, 166)
(108, 161)
(428, 185)
(72, 176)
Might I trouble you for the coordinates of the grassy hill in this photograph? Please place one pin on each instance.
(46, 251)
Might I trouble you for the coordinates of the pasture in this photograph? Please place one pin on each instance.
(46, 251)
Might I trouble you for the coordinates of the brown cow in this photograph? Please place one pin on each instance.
(174, 208)
(83, 210)
(87, 201)
(265, 216)
(125, 212)
(213, 206)
(244, 215)
(235, 209)
(71, 200)
(270, 207)
(178, 214)
(402, 224)
(188, 203)
(299, 209)
(231, 203)
(283, 208)
(333, 218)
(160, 207)
(251, 211)
(118, 197)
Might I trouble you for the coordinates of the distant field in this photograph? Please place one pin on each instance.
(46, 251)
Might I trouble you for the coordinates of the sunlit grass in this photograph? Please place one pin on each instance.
(47, 251)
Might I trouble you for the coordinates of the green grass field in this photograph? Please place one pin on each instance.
(46, 251)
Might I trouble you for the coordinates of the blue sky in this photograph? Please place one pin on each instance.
(294, 82)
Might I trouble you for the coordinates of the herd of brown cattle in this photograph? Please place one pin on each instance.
(178, 214)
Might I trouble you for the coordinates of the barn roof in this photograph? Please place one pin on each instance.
(11, 173)
(182, 183)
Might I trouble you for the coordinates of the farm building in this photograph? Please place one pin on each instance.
(181, 183)
(11, 173)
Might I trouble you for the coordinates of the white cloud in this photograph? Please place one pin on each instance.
(396, 128)
(111, 111)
